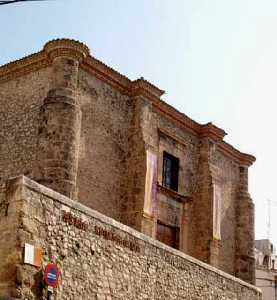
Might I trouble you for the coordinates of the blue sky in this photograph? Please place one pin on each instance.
(216, 60)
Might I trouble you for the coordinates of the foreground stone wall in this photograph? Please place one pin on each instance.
(9, 250)
(98, 257)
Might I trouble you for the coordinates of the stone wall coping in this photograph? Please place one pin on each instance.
(34, 186)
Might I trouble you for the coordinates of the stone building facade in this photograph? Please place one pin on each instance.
(73, 124)
(266, 268)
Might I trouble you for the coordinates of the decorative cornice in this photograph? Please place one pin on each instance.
(240, 157)
(143, 85)
(105, 73)
(67, 48)
(212, 131)
(23, 66)
(177, 117)
(136, 88)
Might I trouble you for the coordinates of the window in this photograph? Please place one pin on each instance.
(167, 235)
(170, 171)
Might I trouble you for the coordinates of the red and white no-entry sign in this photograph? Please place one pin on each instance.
(51, 275)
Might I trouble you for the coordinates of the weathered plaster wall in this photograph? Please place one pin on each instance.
(102, 171)
(108, 260)
(228, 174)
(20, 101)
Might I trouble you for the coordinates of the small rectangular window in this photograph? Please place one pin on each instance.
(170, 171)
(168, 235)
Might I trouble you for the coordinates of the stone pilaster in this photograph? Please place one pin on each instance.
(142, 138)
(132, 209)
(245, 261)
(184, 228)
(202, 206)
(206, 246)
(59, 131)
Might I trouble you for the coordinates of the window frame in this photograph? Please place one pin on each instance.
(176, 231)
(171, 168)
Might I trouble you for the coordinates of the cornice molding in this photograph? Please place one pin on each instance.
(137, 88)
(105, 73)
(66, 48)
(242, 158)
(142, 84)
(177, 117)
(212, 131)
(24, 66)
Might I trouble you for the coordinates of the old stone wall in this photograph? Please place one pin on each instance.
(11, 233)
(20, 101)
(106, 121)
(100, 258)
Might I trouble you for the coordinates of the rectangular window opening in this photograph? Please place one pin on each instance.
(170, 171)
(168, 235)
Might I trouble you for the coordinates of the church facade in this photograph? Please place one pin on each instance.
(75, 125)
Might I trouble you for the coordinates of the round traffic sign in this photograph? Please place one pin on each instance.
(51, 274)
